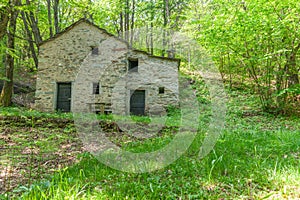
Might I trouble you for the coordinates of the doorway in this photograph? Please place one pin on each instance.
(137, 102)
(63, 97)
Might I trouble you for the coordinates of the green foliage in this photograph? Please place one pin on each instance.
(294, 90)
(23, 112)
(255, 42)
(256, 157)
(255, 45)
(248, 162)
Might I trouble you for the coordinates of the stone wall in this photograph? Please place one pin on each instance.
(69, 58)
(60, 59)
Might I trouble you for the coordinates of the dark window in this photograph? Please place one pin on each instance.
(133, 65)
(161, 90)
(95, 50)
(96, 88)
(107, 112)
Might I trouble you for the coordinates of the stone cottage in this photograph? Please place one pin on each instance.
(86, 69)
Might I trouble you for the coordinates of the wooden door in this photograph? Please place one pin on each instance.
(137, 102)
(64, 97)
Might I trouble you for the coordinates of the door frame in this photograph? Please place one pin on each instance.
(129, 97)
(56, 94)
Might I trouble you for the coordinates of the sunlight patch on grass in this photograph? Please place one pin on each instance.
(256, 157)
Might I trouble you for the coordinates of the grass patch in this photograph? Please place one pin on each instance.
(256, 157)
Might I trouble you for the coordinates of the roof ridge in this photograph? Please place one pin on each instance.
(84, 20)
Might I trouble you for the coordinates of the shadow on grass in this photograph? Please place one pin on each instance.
(246, 164)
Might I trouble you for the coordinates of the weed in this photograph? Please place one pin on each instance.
(256, 157)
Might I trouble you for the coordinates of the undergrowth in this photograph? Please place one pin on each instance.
(256, 157)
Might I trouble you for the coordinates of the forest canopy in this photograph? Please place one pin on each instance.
(254, 43)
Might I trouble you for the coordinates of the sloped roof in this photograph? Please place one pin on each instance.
(83, 20)
(72, 26)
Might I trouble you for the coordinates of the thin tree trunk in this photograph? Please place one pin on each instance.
(3, 21)
(132, 22)
(121, 33)
(49, 17)
(127, 20)
(147, 39)
(56, 18)
(34, 25)
(167, 12)
(166, 23)
(169, 46)
(291, 68)
(7, 90)
(30, 40)
(151, 27)
(230, 71)
(151, 38)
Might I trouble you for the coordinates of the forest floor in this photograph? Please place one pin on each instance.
(32, 148)
(256, 157)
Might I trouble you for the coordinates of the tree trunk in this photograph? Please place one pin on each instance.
(7, 90)
(3, 21)
(127, 20)
(151, 38)
(121, 33)
(132, 22)
(166, 23)
(56, 19)
(30, 40)
(151, 27)
(147, 39)
(167, 7)
(49, 17)
(34, 25)
(291, 68)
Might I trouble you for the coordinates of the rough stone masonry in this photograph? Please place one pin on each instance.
(89, 59)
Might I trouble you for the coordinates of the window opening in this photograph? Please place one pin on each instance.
(96, 88)
(161, 90)
(133, 65)
(95, 51)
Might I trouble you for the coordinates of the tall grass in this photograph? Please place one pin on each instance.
(256, 157)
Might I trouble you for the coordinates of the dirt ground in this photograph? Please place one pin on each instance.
(32, 149)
